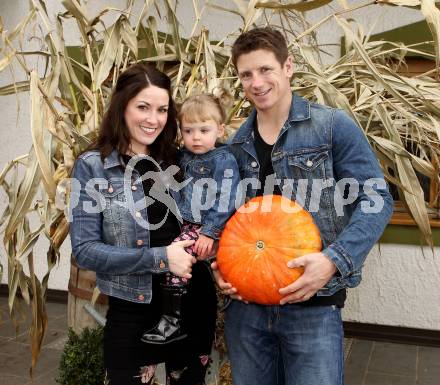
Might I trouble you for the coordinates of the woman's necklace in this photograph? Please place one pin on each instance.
(132, 153)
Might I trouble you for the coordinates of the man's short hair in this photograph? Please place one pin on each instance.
(260, 38)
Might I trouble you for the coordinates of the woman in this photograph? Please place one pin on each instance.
(113, 234)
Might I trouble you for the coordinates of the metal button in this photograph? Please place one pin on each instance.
(254, 164)
(201, 169)
(134, 188)
(138, 214)
(309, 163)
(141, 297)
(110, 189)
(162, 264)
(139, 242)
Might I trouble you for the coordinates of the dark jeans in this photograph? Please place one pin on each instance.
(290, 344)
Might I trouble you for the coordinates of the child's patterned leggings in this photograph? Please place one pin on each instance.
(189, 231)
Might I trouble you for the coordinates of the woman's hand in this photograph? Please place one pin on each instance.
(179, 261)
(203, 247)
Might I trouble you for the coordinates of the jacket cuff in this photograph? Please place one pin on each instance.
(340, 258)
(211, 231)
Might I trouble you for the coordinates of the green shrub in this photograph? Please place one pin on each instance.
(82, 358)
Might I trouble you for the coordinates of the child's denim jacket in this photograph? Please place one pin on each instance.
(208, 198)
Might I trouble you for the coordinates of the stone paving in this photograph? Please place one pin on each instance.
(15, 354)
(367, 362)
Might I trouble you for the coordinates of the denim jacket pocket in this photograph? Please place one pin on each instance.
(309, 164)
(200, 169)
(115, 202)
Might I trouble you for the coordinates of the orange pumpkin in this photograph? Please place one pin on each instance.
(259, 240)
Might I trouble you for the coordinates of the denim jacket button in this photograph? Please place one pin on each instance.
(138, 214)
(139, 242)
(134, 188)
(110, 189)
(141, 297)
(254, 164)
(162, 264)
(309, 163)
(201, 169)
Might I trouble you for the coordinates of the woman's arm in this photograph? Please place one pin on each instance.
(92, 253)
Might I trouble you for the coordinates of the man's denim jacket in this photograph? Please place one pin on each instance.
(324, 161)
(109, 232)
(209, 196)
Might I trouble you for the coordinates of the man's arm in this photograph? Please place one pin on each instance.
(353, 159)
(372, 210)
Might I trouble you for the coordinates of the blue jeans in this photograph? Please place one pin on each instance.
(284, 345)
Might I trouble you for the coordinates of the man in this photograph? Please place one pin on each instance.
(337, 178)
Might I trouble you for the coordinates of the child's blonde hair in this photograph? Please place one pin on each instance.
(203, 107)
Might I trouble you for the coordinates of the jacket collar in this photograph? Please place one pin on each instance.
(218, 148)
(112, 160)
(299, 111)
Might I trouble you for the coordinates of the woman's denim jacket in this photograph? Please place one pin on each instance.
(322, 159)
(109, 232)
(208, 198)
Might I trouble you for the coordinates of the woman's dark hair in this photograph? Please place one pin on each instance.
(113, 132)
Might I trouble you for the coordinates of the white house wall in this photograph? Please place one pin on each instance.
(401, 284)
(400, 287)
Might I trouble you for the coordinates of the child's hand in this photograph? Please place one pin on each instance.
(203, 246)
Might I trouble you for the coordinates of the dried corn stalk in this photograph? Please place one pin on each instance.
(399, 115)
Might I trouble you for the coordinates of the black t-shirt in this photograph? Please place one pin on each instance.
(264, 152)
(157, 211)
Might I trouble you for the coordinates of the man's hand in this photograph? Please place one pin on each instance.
(225, 287)
(318, 270)
(203, 246)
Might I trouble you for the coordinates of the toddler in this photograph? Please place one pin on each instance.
(207, 201)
